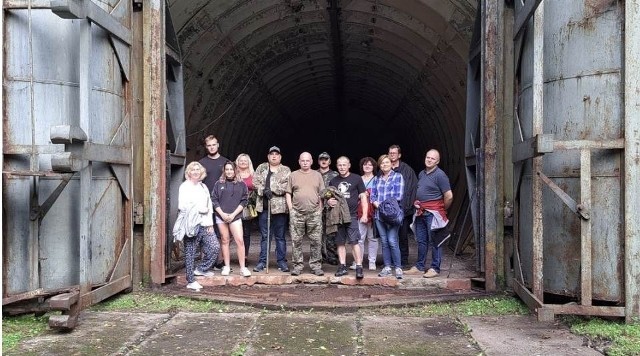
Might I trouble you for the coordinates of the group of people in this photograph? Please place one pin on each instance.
(332, 209)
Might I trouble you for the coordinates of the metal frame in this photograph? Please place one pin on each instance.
(540, 144)
(77, 158)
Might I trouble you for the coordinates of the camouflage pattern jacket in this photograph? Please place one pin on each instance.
(278, 186)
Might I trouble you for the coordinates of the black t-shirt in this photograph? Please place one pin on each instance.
(351, 187)
(214, 167)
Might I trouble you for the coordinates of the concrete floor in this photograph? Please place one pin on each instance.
(303, 333)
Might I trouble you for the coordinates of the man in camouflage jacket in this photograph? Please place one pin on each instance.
(270, 180)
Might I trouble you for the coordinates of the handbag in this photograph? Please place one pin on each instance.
(371, 207)
(369, 211)
(249, 212)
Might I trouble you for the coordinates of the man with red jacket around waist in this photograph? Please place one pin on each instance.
(434, 197)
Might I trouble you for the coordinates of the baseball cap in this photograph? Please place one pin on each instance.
(274, 149)
(324, 155)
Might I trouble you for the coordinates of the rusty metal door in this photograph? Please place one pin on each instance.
(67, 155)
(567, 154)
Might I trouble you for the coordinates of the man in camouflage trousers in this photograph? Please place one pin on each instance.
(270, 180)
(305, 214)
(329, 248)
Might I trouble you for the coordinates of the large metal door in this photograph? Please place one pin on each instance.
(67, 154)
(569, 136)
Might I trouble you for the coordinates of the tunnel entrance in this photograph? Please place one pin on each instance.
(347, 77)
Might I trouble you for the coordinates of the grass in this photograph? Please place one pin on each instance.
(501, 305)
(612, 337)
(18, 328)
(148, 302)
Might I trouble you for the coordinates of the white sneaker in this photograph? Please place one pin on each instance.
(353, 266)
(245, 272)
(198, 272)
(225, 271)
(195, 286)
(372, 266)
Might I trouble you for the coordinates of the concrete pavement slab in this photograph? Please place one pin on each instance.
(299, 334)
(96, 334)
(415, 336)
(524, 335)
(199, 334)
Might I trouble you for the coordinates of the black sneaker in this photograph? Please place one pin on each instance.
(359, 272)
(283, 268)
(342, 271)
(259, 267)
(318, 272)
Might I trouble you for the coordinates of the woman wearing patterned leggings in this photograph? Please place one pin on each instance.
(193, 194)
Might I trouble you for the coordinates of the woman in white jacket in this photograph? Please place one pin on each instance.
(193, 194)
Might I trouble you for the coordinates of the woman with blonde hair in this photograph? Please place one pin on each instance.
(244, 167)
(387, 185)
(194, 225)
(229, 197)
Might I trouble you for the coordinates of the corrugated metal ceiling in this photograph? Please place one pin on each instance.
(349, 77)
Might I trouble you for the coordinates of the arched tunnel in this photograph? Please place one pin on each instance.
(350, 77)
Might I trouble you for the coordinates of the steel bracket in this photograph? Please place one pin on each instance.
(78, 9)
(580, 209)
(39, 211)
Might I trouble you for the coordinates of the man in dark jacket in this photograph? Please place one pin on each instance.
(408, 196)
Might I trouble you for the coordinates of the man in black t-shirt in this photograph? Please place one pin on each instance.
(354, 192)
(213, 162)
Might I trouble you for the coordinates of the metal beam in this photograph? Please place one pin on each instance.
(25, 4)
(491, 67)
(538, 115)
(585, 228)
(79, 9)
(524, 15)
(587, 310)
(632, 160)
(579, 209)
(86, 173)
(533, 147)
(154, 164)
(588, 144)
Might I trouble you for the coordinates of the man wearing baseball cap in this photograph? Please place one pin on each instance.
(270, 181)
(329, 248)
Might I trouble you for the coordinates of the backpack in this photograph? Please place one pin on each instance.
(390, 212)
